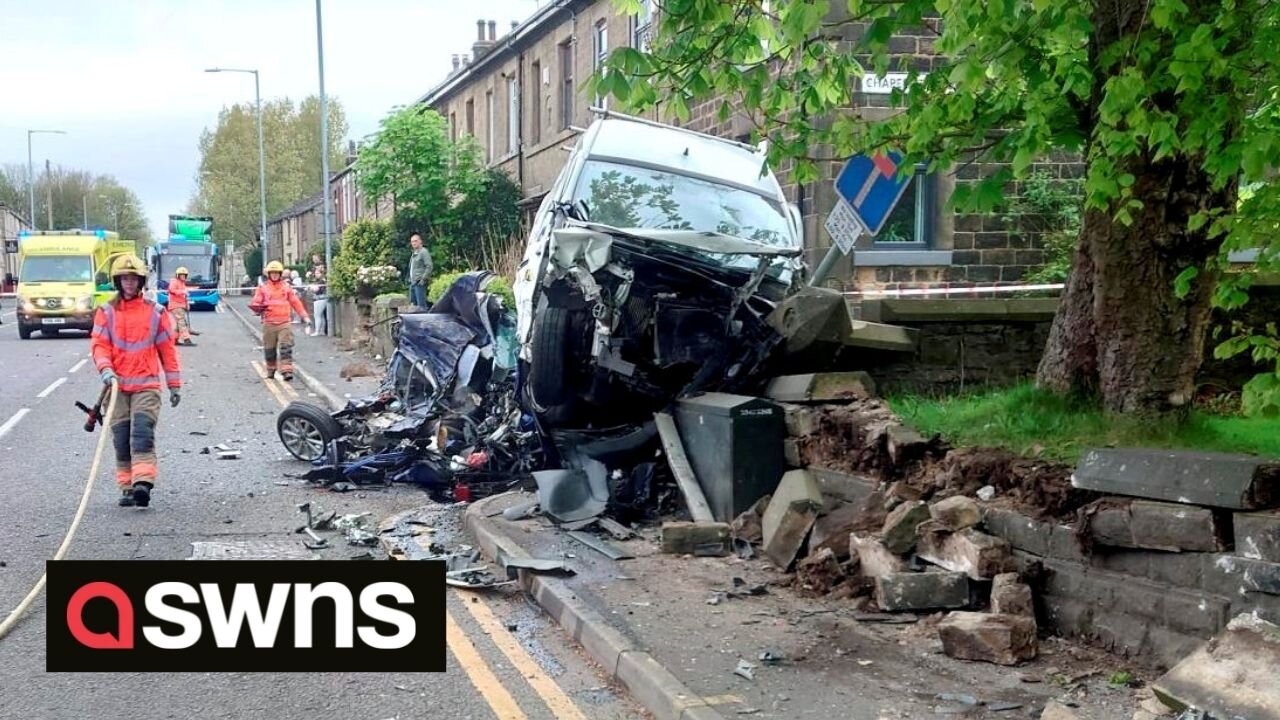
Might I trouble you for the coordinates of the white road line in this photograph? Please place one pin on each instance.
(52, 386)
(8, 424)
(79, 365)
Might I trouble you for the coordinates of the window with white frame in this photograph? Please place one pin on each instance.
(641, 26)
(600, 48)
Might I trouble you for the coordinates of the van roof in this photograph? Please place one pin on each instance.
(684, 151)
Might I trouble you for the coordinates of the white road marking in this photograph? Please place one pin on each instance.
(79, 365)
(8, 424)
(52, 386)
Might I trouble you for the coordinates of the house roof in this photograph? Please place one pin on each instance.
(523, 32)
(298, 208)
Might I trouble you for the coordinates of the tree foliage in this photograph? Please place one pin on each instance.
(1170, 102)
(227, 180)
(441, 188)
(110, 205)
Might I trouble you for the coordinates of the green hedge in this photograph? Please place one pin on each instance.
(498, 286)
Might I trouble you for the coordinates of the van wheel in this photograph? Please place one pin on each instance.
(24, 332)
(549, 360)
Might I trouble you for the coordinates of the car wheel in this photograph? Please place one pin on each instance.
(549, 359)
(306, 430)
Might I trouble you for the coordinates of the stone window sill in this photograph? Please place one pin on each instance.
(885, 258)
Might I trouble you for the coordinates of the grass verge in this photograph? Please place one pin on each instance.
(1033, 422)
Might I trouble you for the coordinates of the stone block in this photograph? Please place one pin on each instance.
(696, 538)
(1231, 676)
(795, 486)
(1149, 525)
(749, 525)
(1258, 535)
(1250, 575)
(1011, 596)
(904, 445)
(832, 530)
(956, 513)
(801, 420)
(899, 534)
(876, 561)
(976, 554)
(821, 387)
(908, 591)
(1235, 482)
(791, 453)
(789, 536)
(1037, 537)
(842, 487)
(819, 573)
(999, 639)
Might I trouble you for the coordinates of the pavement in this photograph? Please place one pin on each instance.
(670, 629)
(506, 659)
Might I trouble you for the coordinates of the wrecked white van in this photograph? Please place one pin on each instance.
(649, 271)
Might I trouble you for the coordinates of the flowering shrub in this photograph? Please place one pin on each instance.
(377, 276)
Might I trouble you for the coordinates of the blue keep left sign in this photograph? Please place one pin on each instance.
(872, 185)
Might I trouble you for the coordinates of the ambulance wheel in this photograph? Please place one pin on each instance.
(306, 430)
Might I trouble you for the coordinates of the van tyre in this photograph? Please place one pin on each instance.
(24, 332)
(548, 367)
(306, 430)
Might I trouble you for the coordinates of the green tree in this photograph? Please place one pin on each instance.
(109, 204)
(434, 181)
(227, 179)
(1171, 103)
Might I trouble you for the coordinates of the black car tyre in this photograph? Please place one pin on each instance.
(306, 430)
(549, 361)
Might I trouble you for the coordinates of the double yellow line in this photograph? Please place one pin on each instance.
(504, 706)
(282, 391)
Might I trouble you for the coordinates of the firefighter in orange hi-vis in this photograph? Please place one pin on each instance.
(179, 306)
(132, 343)
(272, 302)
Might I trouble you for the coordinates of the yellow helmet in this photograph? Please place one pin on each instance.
(129, 265)
(274, 266)
(181, 271)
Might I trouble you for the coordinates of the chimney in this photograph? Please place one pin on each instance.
(493, 37)
(514, 25)
(457, 64)
(482, 45)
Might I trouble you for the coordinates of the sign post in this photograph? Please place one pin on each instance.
(867, 189)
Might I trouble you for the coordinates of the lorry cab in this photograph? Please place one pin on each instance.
(63, 277)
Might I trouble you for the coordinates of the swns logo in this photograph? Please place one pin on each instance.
(245, 616)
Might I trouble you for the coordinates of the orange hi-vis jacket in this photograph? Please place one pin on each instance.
(135, 339)
(177, 293)
(273, 299)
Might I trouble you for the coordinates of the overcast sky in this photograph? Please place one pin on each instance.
(124, 77)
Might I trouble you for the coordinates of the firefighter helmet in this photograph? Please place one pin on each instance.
(274, 266)
(128, 265)
(181, 271)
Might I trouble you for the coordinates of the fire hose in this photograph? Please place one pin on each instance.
(111, 392)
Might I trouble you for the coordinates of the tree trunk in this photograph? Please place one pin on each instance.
(1120, 329)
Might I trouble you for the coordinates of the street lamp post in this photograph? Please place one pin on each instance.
(262, 158)
(324, 148)
(31, 172)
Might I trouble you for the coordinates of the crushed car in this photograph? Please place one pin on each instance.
(446, 414)
(649, 272)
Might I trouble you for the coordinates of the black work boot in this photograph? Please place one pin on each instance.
(142, 494)
(288, 377)
(126, 500)
(271, 374)
(188, 343)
